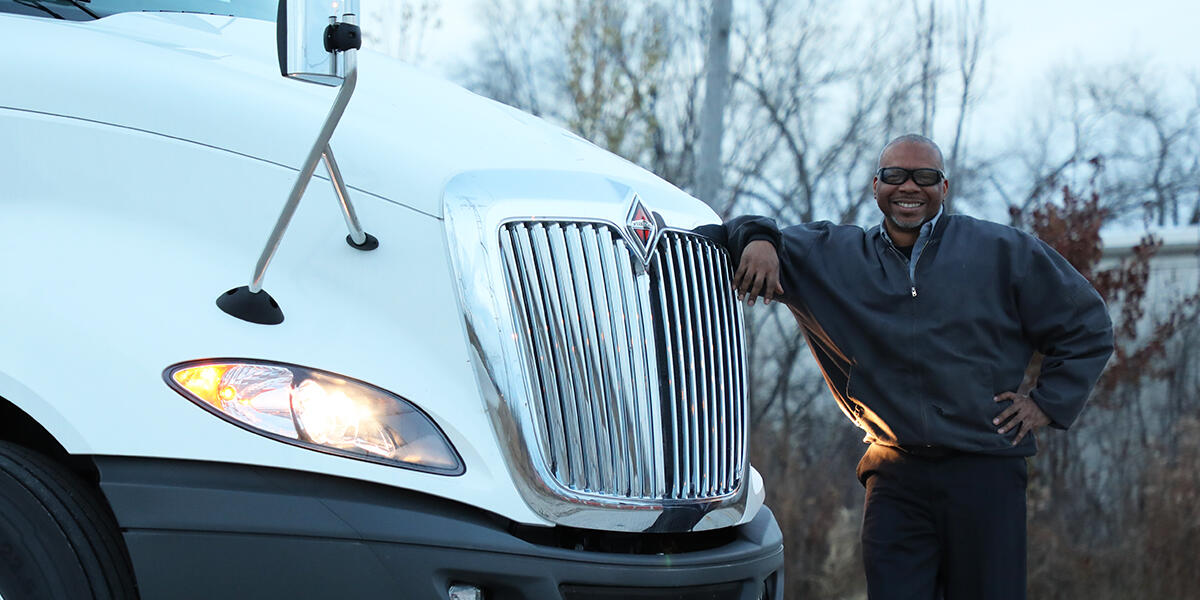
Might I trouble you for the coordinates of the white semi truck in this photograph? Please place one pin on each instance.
(520, 376)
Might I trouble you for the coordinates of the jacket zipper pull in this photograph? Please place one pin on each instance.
(914, 291)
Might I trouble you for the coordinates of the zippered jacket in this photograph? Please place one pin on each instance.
(916, 358)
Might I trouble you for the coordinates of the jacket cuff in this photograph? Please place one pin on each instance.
(763, 236)
(1060, 418)
(743, 230)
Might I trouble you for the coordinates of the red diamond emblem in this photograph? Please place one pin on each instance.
(642, 226)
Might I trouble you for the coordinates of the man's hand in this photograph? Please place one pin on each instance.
(1024, 413)
(758, 272)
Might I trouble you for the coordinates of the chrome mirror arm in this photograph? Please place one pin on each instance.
(357, 238)
(319, 148)
(342, 39)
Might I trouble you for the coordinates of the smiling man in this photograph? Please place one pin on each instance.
(909, 187)
(923, 326)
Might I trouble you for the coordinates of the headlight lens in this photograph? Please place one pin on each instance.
(317, 410)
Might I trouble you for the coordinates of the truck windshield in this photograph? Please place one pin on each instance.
(86, 10)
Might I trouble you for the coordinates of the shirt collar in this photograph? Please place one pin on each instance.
(926, 229)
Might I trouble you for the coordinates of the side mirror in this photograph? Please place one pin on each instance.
(304, 32)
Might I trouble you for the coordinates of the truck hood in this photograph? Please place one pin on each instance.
(215, 81)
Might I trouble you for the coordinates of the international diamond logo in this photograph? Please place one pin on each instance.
(641, 225)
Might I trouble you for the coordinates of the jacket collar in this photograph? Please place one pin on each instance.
(929, 230)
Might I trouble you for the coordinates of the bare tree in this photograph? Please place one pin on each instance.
(926, 47)
(511, 61)
(399, 28)
(1139, 106)
(970, 40)
(1126, 118)
(625, 75)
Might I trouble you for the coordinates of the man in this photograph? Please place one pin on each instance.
(923, 327)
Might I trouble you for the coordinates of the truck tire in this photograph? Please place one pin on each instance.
(58, 541)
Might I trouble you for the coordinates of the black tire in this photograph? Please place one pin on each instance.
(58, 541)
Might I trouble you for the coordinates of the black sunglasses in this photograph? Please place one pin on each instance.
(898, 175)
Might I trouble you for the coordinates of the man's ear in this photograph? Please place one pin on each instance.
(875, 186)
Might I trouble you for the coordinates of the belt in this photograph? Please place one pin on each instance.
(929, 451)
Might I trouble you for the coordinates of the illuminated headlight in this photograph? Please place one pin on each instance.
(317, 410)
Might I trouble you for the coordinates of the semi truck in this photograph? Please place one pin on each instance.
(521, 374)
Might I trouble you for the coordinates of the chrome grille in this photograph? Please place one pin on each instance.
(637, 374)
(703, 328)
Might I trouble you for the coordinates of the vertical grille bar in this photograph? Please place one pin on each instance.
(728, 378)
(610, 376)
(635, 333)
(532, 323)
(684, 362)
(598, 399)
(704, 401)
(673, 345)
(627, 449)
(648, 387)
(689, 369)
(535, 253)
(563, 278)
(719, 447)
(740, 391)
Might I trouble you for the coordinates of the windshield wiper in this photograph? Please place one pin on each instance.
(79, 4)
(39, 6)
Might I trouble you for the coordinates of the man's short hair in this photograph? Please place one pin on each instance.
(915, 138)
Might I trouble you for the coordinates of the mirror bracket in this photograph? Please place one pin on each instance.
(342, 39)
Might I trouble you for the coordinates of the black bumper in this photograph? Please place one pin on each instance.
(206, 530)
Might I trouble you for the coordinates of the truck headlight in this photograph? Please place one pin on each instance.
(317, 410)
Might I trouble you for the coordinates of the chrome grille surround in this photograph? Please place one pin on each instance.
(605, 424)
(616, 390)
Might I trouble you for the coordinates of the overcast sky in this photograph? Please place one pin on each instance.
(1028, 39)
(1032, 36)
(1027, 35)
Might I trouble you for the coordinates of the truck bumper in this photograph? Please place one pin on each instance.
(208, 530)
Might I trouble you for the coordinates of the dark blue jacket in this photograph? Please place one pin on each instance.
(916, 361)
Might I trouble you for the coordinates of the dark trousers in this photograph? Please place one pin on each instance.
(950, 527)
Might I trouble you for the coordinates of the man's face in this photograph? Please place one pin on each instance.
(908, 206)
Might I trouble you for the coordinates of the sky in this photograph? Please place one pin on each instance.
(1029, 39)
(1028, 35)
